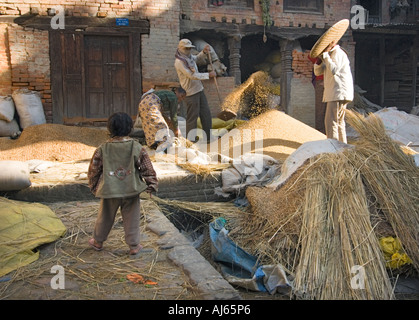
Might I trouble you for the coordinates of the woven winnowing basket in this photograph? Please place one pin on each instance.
(334, 33)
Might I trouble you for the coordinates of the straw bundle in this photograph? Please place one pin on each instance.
(326, 219)
(318, 227)
(392, 178)
(271, 227)
(337, 236)
(53, 142)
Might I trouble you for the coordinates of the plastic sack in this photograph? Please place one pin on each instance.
(14, 175)
(7, 108)
(250, 169)
(306, 151)
(23, 227)
(9, 129)
(29, 107)
(241, 268)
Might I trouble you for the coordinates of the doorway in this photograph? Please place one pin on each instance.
(94, 75)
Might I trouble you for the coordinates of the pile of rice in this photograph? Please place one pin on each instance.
(53, 142)
(272, 133)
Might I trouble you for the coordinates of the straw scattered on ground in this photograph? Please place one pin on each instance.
(92, 275)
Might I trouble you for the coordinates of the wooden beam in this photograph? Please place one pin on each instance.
(415, 66)
(241, 30)
(382, 69)
(72, 23)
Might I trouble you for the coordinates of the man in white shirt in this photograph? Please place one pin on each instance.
(338, 89)
(190, 80)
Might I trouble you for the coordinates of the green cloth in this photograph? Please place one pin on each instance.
(24, 226)
(169, 105)
(121, 176)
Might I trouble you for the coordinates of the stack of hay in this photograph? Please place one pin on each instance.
(53, 142)
(325, 221)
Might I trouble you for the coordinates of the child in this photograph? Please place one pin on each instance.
(119, 171)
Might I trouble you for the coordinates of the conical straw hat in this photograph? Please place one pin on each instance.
(335, 32)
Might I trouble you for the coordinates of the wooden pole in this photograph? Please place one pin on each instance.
(215, 78)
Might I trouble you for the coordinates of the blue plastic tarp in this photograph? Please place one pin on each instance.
(240, 267)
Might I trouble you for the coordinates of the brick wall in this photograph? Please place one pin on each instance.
(163, 15)
(158, 48)
(333, 11)
(30, 63)
(5, 67)
(301, 65)
(225, 86)
(24, 53)
(25, 63)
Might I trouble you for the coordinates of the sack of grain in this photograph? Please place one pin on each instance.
(274, 57)
(29, 107)
(7, 108)
(276, 71)
(9, 129)
(14, 175)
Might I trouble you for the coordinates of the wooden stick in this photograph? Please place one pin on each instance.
(215, 78)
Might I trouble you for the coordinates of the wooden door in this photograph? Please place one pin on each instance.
(107, 76)
(94, 75)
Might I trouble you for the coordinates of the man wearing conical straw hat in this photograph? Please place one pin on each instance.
(333, 64)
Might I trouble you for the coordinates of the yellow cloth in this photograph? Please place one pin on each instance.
(393, 253)
(23, 227)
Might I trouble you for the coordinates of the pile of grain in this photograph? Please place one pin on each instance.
(272, 133)
(53, 142)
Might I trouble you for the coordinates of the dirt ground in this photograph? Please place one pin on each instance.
(96, 275)
(104, 275)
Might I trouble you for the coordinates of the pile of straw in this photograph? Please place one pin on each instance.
(53, 142)
(392, 178)
(325, 220)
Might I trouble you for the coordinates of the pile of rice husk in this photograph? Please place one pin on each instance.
(252, 97)
(328, 217)
(53, 142)
(272, 133)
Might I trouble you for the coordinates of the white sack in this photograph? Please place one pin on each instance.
(7, 108)
(14, 175)
(29, 107)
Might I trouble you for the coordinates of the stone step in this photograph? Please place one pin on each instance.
(68, 182)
